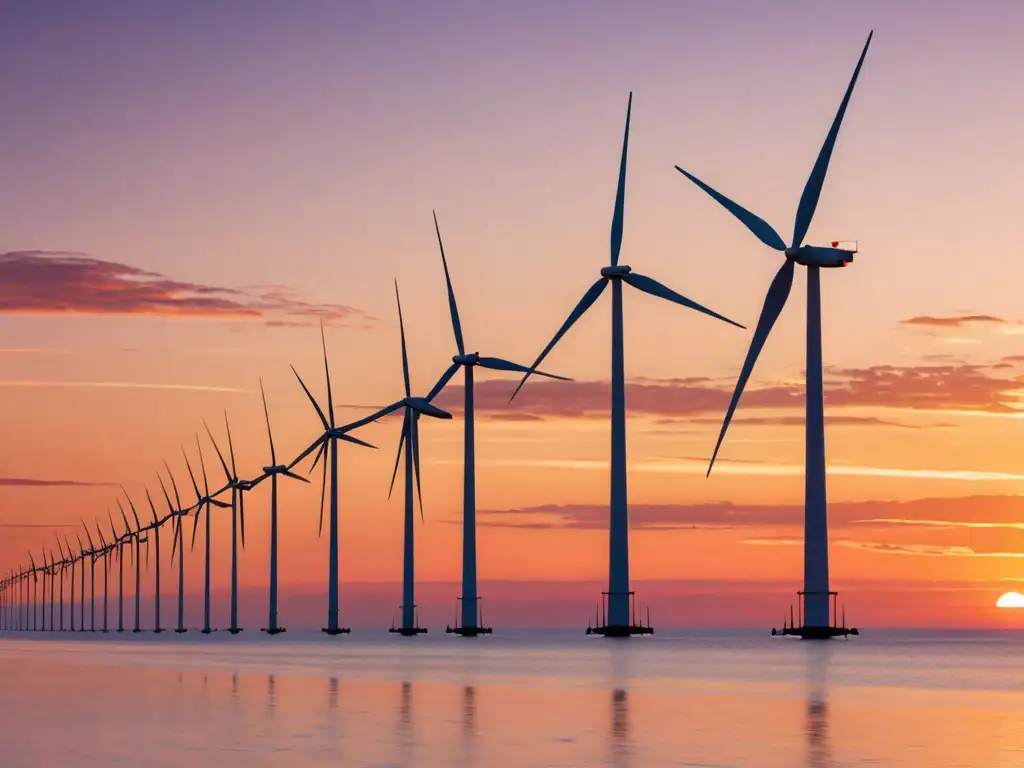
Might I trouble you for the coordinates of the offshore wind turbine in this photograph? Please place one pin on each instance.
(816, 592)
(123, 540)
(204, 501)
(105, 551)
(619, 622)
(275, 469)
(63, 565)
(81, 588)
(93, 554)
(238, 488)
(326, 446)
(136, 534)
(413, 407)
(71, 603)
(470, 623)
(155, 527)
(35, 590)
(178, 545)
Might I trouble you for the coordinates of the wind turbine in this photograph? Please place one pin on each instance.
(62, 564)
(155, 527)
(136, 534)
(178, 545)
(619, 622)
(470, 624)
(327, 444)
(205, 500)
(81, 589)
(816, 590)
(106, 572)
(413, 407)
(71, 565)
(272, 472)
(122, 541)
(35, 591)
(93, 554)
(238, 488)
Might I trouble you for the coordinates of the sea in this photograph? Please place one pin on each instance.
(528, 699)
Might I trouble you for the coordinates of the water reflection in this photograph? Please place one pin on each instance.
(403, 733)
(332, 693)
(816, 724)
(621, 747)
(234, 685)
(271, 693)
(469, 710)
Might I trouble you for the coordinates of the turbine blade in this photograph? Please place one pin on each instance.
(584, 304)
(414, 445)
(175, 525)
(405, 354)
(812, 190)
(323, 492)
(620, 192)
(202, 466)
(191, 475)
(152, 507)
(288, 473)
(321, 454)
(327, 373)
(224, 464)
(357, 441)
(497, 364)
(387, 410)
(316, 444)
(774, 301)
(452, 307)
(195, 525)
(309, 394)
(231, 447)
(654, 288)
(174, 483)
(398, 457)
(270, 434)
(445, 378)
(241, 515)
(761, 228)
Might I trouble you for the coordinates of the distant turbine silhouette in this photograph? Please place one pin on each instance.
(106, 573)
(81, 606)
(275, 469)
(63, 565)
(326, 446)
(413, 407)
(124, 540)
(136, 534)
(155, 527)
(35, 590)
(238, 488)
(469, 624)
(93, 554)
(619, 622)
(205, 502)
(178, 542)
(816, 582)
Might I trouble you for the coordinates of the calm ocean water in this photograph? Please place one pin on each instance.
(524, 699)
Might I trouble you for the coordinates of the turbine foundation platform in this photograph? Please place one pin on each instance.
(136, 631)
(177, 631)
(156, 631)
(468, 631)
(408, 631)
(603, 628)
(804, 631)
(207, 630)
(336, 631)
(274, 630)
(235, 630)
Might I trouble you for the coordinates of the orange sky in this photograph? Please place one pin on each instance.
(182, 296)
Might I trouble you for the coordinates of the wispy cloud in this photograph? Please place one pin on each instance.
(887, 548)
(122, 385)
(31, 482)
(947, 388)
(953, 321)
(695, 465)
(57, 282)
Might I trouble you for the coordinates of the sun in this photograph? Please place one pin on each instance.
(1010, 600)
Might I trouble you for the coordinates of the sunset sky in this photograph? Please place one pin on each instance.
(188, 188)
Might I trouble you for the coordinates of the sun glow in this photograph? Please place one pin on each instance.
(1010, 600)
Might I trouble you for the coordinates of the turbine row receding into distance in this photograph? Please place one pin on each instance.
(22, 609)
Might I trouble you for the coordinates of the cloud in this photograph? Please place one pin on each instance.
(798, 421)
(953, 321)
(932, 550)
(950, 387)
(991, 511)
(57, 282)
(29, 482)
(122, 385)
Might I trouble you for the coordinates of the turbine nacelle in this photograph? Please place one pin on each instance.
(471, 358)
(817, 256)
(277, 469)
(616, 271)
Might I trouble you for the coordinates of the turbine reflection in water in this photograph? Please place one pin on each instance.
(332, 693)
(621, 747)
(819, 752)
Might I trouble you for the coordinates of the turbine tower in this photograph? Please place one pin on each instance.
(470, 624)
(155, 527)
(178, 542)
(238, 488)
(137, 557)
(816, 592)
(275, 469)
(326, 446)
(123, 540)
(105, 551)
(204, 501)
(619, 621)
(413, 408)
